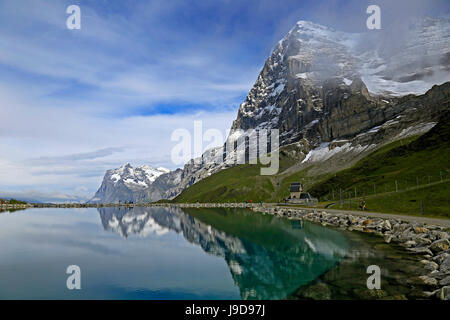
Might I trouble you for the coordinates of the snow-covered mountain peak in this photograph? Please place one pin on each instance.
(136, 184)
(309, 25)
(139, 177)
(313, 53)
(126, 168)
(396, 61)
(165, 170)
(308, 30)
(314, 69)
(153, 173)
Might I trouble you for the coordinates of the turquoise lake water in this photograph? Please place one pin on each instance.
(161, 253)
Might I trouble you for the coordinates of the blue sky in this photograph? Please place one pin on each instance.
(75, 103)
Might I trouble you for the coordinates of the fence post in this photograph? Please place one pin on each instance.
(440, 172)
(396, 186)
(374, 189)
(421, 206)
(417, 179)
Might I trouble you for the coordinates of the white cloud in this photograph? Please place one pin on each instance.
(66, 148)
(70, 100)
(112, 55)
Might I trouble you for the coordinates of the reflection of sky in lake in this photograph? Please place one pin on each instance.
(157, 254)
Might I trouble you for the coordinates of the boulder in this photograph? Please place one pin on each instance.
(410, 244)
(423, 241)
(444, 293)
(420, 230)
(441, 257)
(388, 239)
(406, 235)
(431, 266)
(387, 225)
(428, 280)
(421, 250)
(445, 281)
(440, 245)
(437, 275)
(429, 294)
(445, 265)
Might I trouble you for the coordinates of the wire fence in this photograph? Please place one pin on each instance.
(352, 196)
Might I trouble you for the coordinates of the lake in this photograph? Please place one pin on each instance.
(173, 253)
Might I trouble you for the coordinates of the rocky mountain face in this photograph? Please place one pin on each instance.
(321, 84)
(192, 172)
(133, 184)
(338, 96)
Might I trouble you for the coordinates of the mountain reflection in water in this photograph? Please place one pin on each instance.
(268, 257)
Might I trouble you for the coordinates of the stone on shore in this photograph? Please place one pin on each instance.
(445, 281)
(420, 230)
(428, 280)
(430, 265)
(437, 275)
(421, 250)
(441, 257)
(445, 265)
(440, 245)
(444, 293)
(410, 243)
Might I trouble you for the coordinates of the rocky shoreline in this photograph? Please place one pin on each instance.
(430, 242)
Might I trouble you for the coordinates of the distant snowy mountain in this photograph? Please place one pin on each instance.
(130, 184)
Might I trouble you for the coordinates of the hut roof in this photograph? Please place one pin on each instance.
(295, 187)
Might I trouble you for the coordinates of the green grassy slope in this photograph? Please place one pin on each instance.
(417, 167)
(432, 200)
(422, 160)
(236, 184)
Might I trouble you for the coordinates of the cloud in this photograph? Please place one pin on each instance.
(34, 195)
(115, 63)
(101, 153)
(38, 153)
(102, 87)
